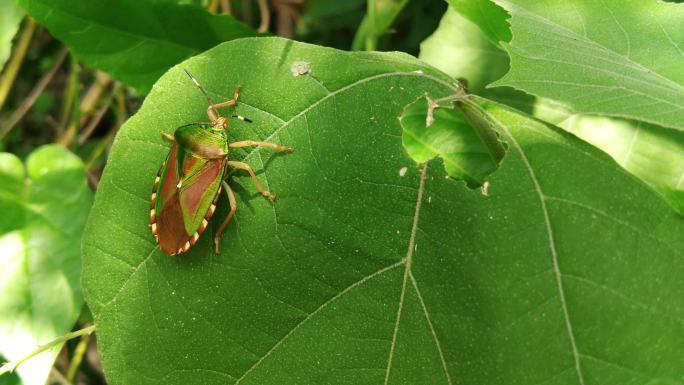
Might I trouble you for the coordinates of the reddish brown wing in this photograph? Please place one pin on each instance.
(179, 214)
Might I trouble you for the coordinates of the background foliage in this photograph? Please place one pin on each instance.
(422, 233)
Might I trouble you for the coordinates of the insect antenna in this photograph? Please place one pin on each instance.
(211, 101)
(240, 117)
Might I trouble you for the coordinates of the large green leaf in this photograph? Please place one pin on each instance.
(10, 18)
(44, 209)
(611, 57)
(135, 41)
(650, 152)
(567, 272)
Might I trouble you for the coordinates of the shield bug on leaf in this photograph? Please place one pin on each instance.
(190, 180)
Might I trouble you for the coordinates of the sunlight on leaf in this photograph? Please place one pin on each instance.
(10, 18)
(44, 208)
(601, 57)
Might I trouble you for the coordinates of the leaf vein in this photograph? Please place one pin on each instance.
(318, 310)
(552, 248)
(407, 269)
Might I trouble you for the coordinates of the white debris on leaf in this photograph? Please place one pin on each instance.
(485, 188)
(402, 171)
(300, 68)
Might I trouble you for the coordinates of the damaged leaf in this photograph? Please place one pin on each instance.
(369, 268)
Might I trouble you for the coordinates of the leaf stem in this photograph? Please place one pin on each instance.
(11, 366)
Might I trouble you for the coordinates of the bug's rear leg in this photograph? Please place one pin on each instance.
(246, 167)
(247, 143)
(233, 208)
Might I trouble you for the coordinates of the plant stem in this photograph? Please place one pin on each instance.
(213, 6)
(76, 360)
(70, 108)
(265, 16)
(28, 102)
(121, 115)
(225, 7)
(93, 95)
(11, 366)
(58, 377)
(372, 34)
(97, 116)
(17, 59)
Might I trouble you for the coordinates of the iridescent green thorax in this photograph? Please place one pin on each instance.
(203, 140)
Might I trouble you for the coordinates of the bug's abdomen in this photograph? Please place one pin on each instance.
(184, 199)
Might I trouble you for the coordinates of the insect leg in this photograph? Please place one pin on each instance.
(168, 137)
(248, 120)
(246, 167)
(211, 110)
(247, 143)
(233, 208)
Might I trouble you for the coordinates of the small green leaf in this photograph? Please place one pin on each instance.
(379, 18)
(612, 57)
(10, 18)
(134, 41)
(359, 275)
(44, 209)
(451, 135)
(10, 378)
(492, 19)
(461, 49)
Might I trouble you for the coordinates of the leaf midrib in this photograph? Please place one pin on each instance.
(552, 248)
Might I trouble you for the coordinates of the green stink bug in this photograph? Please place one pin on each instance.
(189, 181)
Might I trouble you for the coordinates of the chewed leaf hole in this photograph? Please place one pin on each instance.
(455, 132)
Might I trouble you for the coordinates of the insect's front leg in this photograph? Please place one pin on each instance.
(247, 143)
(233, 208)
(211, 110)
(246, 167)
